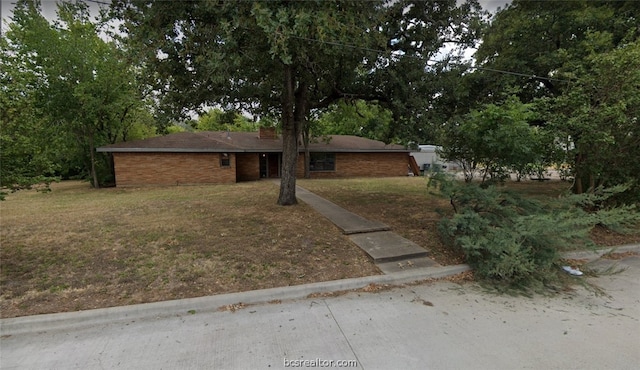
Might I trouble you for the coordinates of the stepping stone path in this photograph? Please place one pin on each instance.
(389, 251)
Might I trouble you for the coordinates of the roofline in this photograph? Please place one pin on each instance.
(181, 150)
(186, 150)
(359, 150)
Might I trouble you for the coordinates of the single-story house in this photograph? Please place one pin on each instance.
(210, 157)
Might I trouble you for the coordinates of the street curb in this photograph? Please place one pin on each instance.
(151, 311)
(596, 254)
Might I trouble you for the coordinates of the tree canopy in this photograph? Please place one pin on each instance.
(217, 120)
(358, 118)
(288, 58)
(566, 59)
(77, 90)
(599, 118)
(537, 38)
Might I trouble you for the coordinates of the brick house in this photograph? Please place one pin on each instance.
(228, 157)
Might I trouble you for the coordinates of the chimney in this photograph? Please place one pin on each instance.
(267, 133)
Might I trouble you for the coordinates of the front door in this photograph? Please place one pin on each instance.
(269, 165)
(274, 165)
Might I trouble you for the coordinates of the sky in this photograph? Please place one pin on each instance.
(48, 9)
(492, 5)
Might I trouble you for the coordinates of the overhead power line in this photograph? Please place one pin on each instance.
(520, 74)
(334, 43)
(381, 51)
(98, 2)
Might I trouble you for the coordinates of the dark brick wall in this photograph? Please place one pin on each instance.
(248, 166)
(138, 169)
(362, 165)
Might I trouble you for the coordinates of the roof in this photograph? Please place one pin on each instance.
(243, 142)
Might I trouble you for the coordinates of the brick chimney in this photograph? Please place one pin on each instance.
(267, 133)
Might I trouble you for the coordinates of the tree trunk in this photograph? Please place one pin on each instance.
(577, 180)
(112, 166)
(92, 156)
(289, 142)
(300, 114)
(577, 185)
(307, 155)
(592, 183)
(307, 163)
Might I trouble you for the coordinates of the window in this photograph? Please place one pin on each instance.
(225, 160)
(322, 162)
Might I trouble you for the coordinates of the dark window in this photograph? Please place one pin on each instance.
(322, 162)
(225, 160)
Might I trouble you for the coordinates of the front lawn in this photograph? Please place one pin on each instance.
(78, 248)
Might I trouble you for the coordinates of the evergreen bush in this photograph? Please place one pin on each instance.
(518, 241)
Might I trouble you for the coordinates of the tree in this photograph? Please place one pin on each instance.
(218, 120)
(288, 58)
(357, 118)
(563, 55)
(497, 139)
(533, 38)
(85, 90)
(27, 158)
(599, 116)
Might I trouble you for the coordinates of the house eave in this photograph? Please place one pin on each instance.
(357, 150)
(187, 150)
(183, 150)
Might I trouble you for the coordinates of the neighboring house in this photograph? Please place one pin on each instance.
(228, 157)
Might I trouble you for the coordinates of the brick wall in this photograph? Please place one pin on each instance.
(248, 166)
(362, 165)
(267, 133)
(139, 169)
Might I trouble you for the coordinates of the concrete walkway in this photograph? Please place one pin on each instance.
(440, 325)
(348, 222)
(389, 251)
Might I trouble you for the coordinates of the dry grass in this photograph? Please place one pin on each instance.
(403, 203)
(77, 248)
(413, 211)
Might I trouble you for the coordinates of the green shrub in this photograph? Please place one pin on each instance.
(518, 241)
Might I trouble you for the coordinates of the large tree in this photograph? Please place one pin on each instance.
(83, 90)
(288, 58)
(357, 118)
(568, 58)
(599, 119)
(534, 39)
(27, 157)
